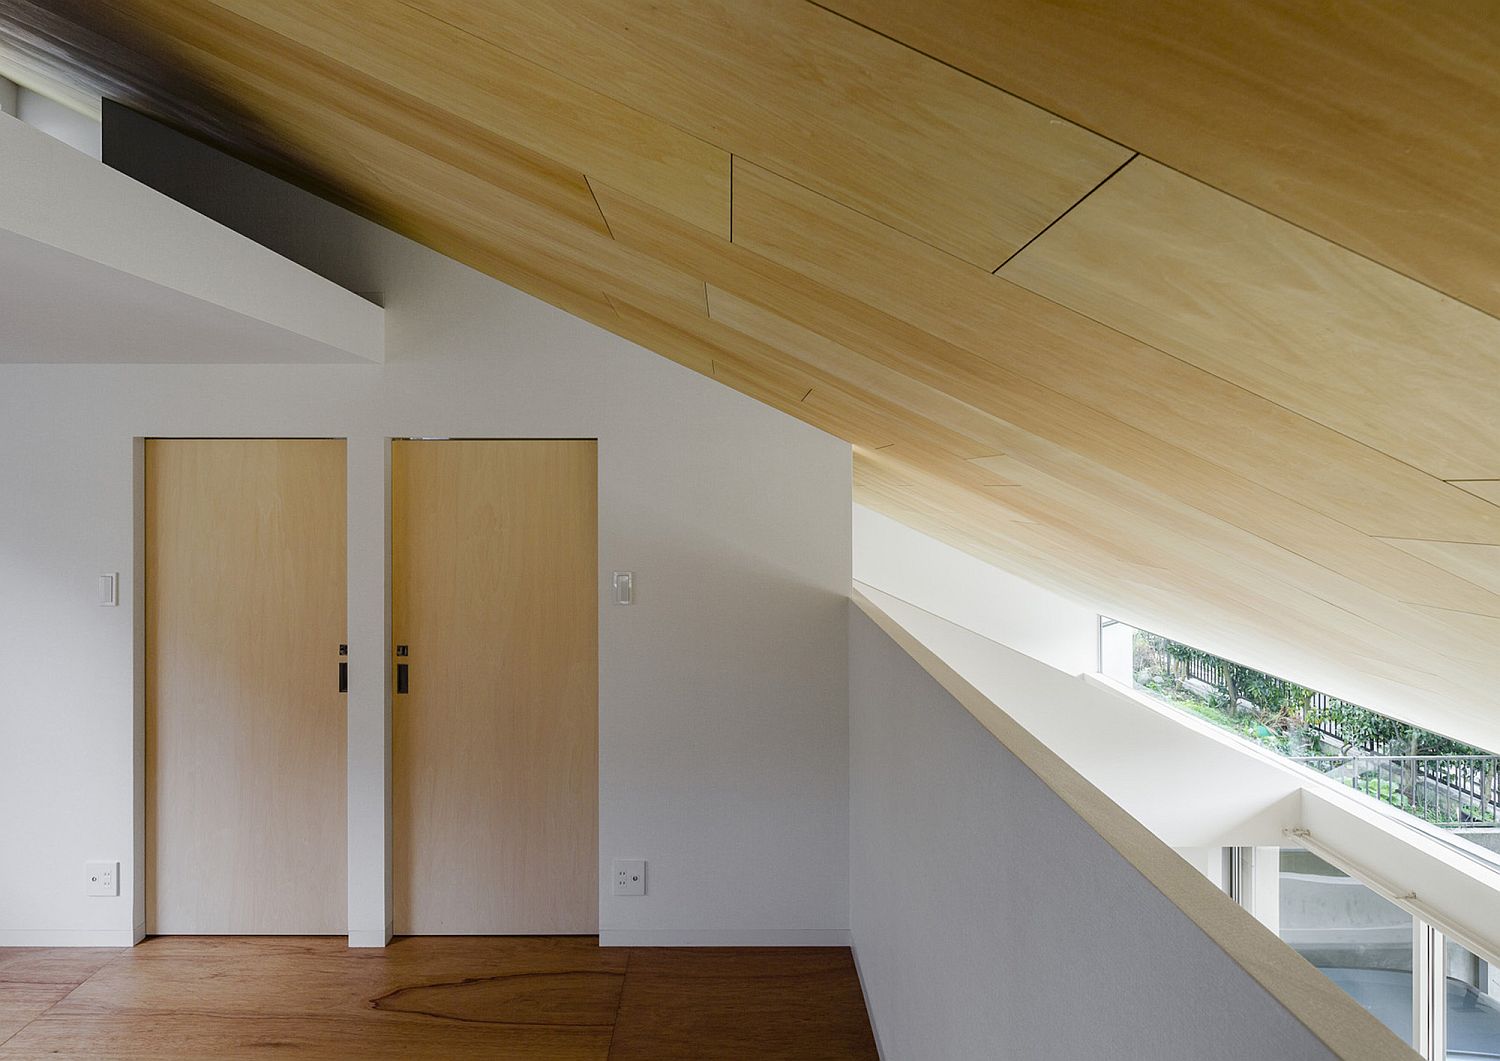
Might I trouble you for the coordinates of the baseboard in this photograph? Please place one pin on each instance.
(67, 937)
(370, 937)
(724, 937)
(865, 993)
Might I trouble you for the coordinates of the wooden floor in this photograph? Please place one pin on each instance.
(560, 998)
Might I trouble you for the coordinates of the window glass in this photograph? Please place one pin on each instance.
(1358, 938)
(1444, 782)
(1473, 1005)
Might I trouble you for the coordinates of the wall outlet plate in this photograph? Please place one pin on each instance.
(103, 878)
(630, 876)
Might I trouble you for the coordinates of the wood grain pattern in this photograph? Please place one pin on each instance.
(21, 1003)
(892, 133)
(1479, 564)
(1114, 376)
(1085, 450)
(1221, 457)
(570, 999)
(245, 612)
(480, 190)
(691, 1005)
(497, 91)
(495, 748)
(546, 998)
(33, 980)
(1489, 489)
(1280, 312)
(1371, 122)
(1025, 417)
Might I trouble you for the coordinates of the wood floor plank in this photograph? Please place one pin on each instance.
(167, 1036)
(554, 998)
(20, 1004)
(34, 979)
(323, 977)
(770, 1004)
(53, 965)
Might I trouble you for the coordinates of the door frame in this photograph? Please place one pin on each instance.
(137, 596)
(368, 728)
(390, 660)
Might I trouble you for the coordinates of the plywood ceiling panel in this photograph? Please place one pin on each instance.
(1489, 489)
(1168, 404)
(890, 132)
(398, 50)
(1101, 367)
(1479, 564)
(1281, 312)
(1371, 122)
(419, 169)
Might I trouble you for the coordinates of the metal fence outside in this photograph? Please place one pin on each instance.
(1446, 790)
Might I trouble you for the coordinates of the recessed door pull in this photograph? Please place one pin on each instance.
(343, 668)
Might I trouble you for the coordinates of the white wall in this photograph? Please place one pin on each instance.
(989, 920)
(948, 582)
(723, 697)
(78, 131)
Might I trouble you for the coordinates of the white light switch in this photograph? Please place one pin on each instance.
(624, 587)
(104, 878)
(109, 590)
(630, 876)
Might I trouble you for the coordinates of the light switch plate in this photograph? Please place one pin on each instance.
(109, 590)
(103, 877)
(630, 876)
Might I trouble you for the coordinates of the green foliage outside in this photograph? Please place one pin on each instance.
(1282, 713)
(1385, 790)
(1216, 712)
(1283, 716)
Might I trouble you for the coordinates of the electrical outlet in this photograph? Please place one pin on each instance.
(630, 876)
(103, 877)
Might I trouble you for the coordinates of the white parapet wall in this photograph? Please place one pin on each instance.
(934, 576)
(1196, 786)
(1002, 906)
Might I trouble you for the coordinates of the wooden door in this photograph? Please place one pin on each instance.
(245, 748)
(495, 742)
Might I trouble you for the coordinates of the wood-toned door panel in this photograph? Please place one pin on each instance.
(245, 722)
(495, 741)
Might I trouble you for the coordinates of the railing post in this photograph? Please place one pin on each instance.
(1486, 775)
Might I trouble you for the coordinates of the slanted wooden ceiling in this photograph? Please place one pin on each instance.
(1187, 308)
